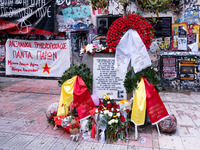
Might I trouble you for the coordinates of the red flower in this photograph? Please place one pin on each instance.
(109, 105)
(132, 21)
(128, 110)
(122, 118)
(114, 104)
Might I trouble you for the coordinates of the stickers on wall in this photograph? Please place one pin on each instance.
(185, 38)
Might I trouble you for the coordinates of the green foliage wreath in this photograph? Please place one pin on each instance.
(83, 71)
(132, 78)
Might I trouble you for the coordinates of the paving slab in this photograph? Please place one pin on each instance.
(139, 148)
(183, 118)
(4, 137)
(171, 142)
(60, 144)
(18, 142)
(89, 146)
(178, 97)
(114, 147)
(191, 143)
(41, 143)
(72, 145)
(144, 140)
(188, 131)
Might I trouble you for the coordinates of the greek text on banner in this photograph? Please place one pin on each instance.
(37, 58)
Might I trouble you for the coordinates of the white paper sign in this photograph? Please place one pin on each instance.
(37, 58)
(105, 79)
(182, 43)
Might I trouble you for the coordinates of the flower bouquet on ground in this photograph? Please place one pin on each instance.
(51, 112)
(51, 118)
(72, 125)
(113, 124)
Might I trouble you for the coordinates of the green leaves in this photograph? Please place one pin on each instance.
(132, 78)
(155, 6)
(82, 71)
(153, 2)
(99, 4)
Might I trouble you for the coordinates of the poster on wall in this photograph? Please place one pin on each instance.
(182, 38)
(37, 58)
(193, 38)
(188, 68)
(169, 68)
(27, 17)
(182, 43)
(179, 35)
(105, 79)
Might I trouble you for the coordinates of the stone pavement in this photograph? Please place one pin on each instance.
(23, 123)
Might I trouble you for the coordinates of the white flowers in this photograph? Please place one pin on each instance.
(112, 121)
(89, 48)
(118, 114)
(110, 114)
(106, 112)
(103, 48)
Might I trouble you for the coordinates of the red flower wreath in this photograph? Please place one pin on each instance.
(122, 24)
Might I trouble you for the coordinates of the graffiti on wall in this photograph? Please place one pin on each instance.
(73, 15)
(182, 85)
(192, 10)
(164, 43)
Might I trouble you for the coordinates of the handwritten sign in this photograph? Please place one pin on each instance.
(37, 58)
(106, 80)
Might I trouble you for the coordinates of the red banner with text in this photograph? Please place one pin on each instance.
(155, 107)
(82, 98)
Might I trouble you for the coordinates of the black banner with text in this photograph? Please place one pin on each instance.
(27, 17)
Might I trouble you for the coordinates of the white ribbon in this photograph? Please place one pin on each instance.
(103, 128)
(131, 47)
